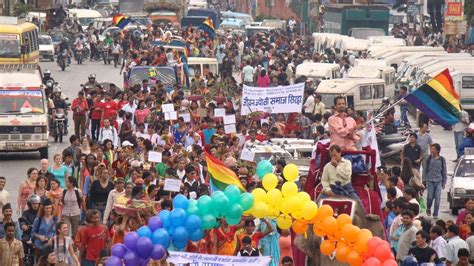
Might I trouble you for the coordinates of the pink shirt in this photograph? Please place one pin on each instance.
(263, 81)
(343, 131)
(141, 114)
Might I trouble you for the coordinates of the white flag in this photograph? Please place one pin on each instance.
(371, 140)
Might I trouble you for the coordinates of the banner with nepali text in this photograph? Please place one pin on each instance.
(281, 99)
(196, 259)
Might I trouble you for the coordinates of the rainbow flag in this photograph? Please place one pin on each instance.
(438, 99)
(220, 176)
(208, 26)
(121, 21)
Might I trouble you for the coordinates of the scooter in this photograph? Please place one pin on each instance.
(62, 60)
(59, 124)
(79, 53)
(106, 55)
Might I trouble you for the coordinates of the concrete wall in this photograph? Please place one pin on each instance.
(279, 9)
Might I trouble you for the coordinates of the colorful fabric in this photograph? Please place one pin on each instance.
(120, 20)
(220, 176)
(438, 99)
(208, 26)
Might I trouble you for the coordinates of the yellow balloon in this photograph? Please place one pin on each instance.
(259, 195)
(260, 209)
(289, 189)
(284, 221)
(297, 213)
(273, 212)
(269, 181)
(275, 198)
(293, 204)
(285, 206)
(310, 209)
(304, 196)
(291, 172)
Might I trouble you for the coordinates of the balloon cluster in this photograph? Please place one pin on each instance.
(229, 204)
(351, 244)
(290, 208)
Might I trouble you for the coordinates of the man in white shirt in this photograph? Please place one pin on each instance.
(114, 195)
(4, 195)
(455, 243)
(438, 243)
(248, 73)
(309, 103)
(108, 132)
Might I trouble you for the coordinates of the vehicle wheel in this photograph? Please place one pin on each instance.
(63, 66)
(56, 138)
(52, 59)
(44, 153)
(60, 133)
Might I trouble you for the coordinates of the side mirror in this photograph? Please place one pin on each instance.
(23, 49)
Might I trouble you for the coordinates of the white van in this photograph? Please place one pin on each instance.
(396, 59)
(318, 70)
(463, 81)
(201, 66)
(361, 93)
(390, 50)
(428, 71)
(375, 72)
(320, 40)
(84, 16)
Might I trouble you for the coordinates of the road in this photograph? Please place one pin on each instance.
(14, 165)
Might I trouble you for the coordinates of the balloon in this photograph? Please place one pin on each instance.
(260, 209)
(259, 195)
(204, 205)
(372, 244)
(220, 204)
(264, 167)
(232, 220)
(113, 261)
(382, 253)
(180, 201)
(144, 247)
(317, 229)
(165, 217)
(178, 217)
(303, 196)
(366, 233)
(155, 223)
(192, 210)
(131, 258)
(341, 253)
(192, 202)
(119, 250)
(372, 261)
(284, 221)
(275, 198)
(235, 211)
(144, 231)
(343, 219)
(143, 262)
(289, 189)
(348, 232)
(291, 172)
(217, 194)
(196, 235)
(270, 181)
(193, 223)
(285, 206)
(161, 237)
(323, 212)
(310, 209)
(179, 245)
(390, 262)
(354, 258)
(327, 247)
(329, 225)
(130, 240)
(180, 234)
(293, 204)
(246, 201)
(233, 193)
(208, 222)
(299, 227)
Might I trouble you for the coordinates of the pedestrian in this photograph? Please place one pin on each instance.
(407, 234)
(438, 243)
(43, 226)
(26, 189)
(460, 127)
(455, 243)
(100, 189)
(95, 237)
(7, 213)
(422, 251)
(468, 208)
(463, 257)
(112, 197)
(72, 202)
(470, 243)
(435, 177)
(11, 249)
(4, 195)
(63, 246)
(403, 106)
(80, 108)
(424, 140)
(59, 170)
(247, 249)
(412, 151)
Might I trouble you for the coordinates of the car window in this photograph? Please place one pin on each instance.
(465, 169)
(365, 92)
(378, 91)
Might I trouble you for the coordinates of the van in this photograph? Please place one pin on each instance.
(274, 23)
(463, 81)
(250, 31)
(318, 70)
(390, 50)
(248, 19)
(84, 16)
(428, 71)
(202, 66)
(375, 72)
(165, 17)
(208, 13)
(234, 25)
(363, 94)
(193, 21)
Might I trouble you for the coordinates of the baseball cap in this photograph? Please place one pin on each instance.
(127, 143)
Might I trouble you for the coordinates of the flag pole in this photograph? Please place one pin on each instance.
(382, 113)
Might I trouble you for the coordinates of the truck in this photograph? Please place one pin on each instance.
(23, 110)
(358, 21)
(161, 10)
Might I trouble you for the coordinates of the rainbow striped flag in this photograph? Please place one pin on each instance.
(438, 99)
(220, 176)
(208, 26)
(121, 20)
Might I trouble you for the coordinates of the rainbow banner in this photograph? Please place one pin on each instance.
(208, 26)
(220, 176)
(121, 21)
(438, 99)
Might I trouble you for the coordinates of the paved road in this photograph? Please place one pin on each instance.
(14, 165)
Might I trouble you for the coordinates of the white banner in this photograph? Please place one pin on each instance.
(281, 99)
(196, 259)
(370, 139)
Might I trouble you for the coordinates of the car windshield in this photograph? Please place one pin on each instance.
(44, 41)
(9, 46)
(465, 169)
(21, 102)
(165, 75)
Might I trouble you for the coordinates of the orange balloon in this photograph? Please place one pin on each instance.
(323, 212)
(317, 230)
(349, 233)
(361, 247)
(341, 253)
(299, 227)
(382, 252)
(365, 233)
(372, 244)
(343, 219)
(354, 258)
(327, 247)
(329, 225)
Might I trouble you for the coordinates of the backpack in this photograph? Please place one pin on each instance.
(78, 197)
(428, 164)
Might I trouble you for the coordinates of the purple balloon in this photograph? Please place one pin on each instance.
(130, 240)
(144, 247)
(158, 252)
(131, 258)
(143, 262)
(113, 261)
(119, 250)
(155, 223)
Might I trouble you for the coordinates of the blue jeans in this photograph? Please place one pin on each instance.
(458, 139)
(434, 193)
(403, 115)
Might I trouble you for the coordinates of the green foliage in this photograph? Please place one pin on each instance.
(20, 10)
(469, 11)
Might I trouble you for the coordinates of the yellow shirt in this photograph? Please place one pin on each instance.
(11, 254)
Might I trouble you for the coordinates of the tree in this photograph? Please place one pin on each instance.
(469, 12)
(20, 10)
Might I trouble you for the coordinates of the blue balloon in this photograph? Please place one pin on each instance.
(178, 217)
(130, 240)
(144, 231)
(196, 235)
(180, 235)
(144, 247)
(193, 223)
(165, 217)
(113, 261)
(181, 202)
(131, 258)
(119, 250)
(155, 223)
(158, 252)
(264, 167)
(179, 245)
(160, 236)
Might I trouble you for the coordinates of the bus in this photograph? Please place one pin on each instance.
(19, 43)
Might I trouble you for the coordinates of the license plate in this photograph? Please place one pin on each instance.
(15, 144)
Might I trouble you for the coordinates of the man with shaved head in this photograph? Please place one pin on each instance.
(43, 171)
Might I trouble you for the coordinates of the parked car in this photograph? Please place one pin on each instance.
(462, 183)
(46, 47)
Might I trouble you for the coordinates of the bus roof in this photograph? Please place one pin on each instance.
(365, 71)
(20, 76)
(17, 29)
(343, 86)
(85, 13)
(315, 69)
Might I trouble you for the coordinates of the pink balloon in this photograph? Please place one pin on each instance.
(390, 262)
(372, 261)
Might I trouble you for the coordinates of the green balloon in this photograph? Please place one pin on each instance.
(204, 205)
(192, 202)
(233, 193)
(221, 205)
(208, 222)
(235, 211)
(232, 220)
(246, 201)
(192, 210)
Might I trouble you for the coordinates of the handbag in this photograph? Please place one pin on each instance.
(416, 183)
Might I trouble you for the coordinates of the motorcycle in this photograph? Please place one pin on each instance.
(49, 87)
(63, 59)
(59, 124)
(79, 53)
(106, 55)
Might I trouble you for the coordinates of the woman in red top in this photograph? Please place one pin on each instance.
(123, 100)
(249, 228)
(96, 116)
(263, 80)
(141, 113)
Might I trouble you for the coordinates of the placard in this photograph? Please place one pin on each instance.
(172, 185)
(229, 119)
(264, 120)
(229, 129)
(154, 156)
(274, 100)
(219, 112)
(197, 259)
(247, 155)
(167, 107)
(186, 117)
(202, 112)
(171, 116)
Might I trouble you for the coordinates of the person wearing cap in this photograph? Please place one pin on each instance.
(7, 212)
(113, 195)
